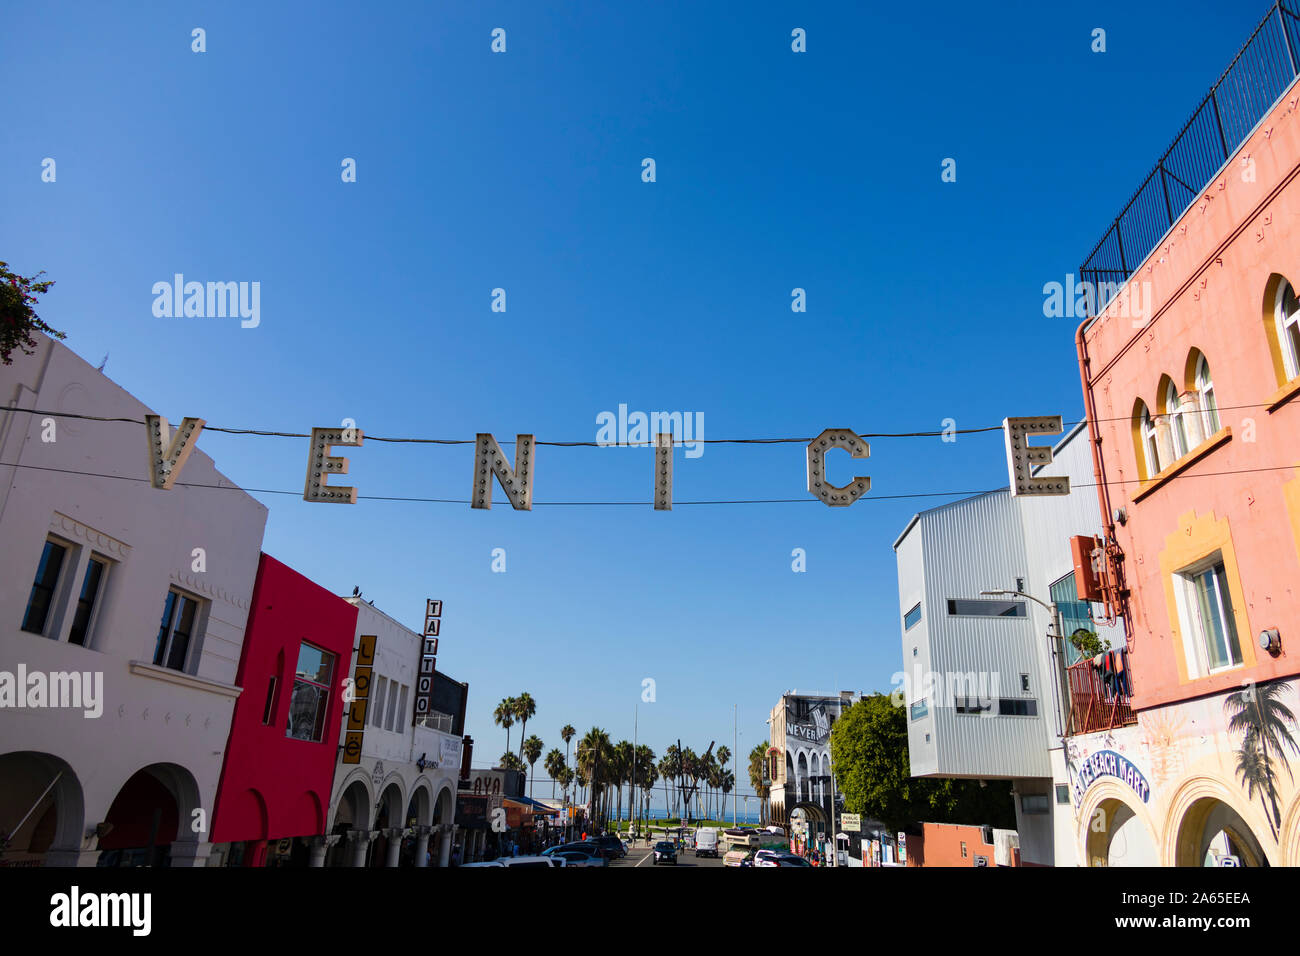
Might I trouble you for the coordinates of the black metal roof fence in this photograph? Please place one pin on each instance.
(1247, 90)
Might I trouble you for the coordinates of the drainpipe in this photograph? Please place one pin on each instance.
(1110, 592)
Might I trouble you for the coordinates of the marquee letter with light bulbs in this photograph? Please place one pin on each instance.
(168, 453)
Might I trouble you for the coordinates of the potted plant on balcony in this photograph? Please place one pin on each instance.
(1088, 644)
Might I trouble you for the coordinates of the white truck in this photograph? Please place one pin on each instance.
(706, 842)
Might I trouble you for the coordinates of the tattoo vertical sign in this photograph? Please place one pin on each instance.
(428, 659)
(361, 675)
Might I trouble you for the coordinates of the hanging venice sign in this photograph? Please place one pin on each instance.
(169, 451)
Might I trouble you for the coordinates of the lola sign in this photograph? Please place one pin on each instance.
(168, 453)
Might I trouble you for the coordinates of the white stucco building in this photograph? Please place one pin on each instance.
(984, 682)
(403, 789)
(116, 585)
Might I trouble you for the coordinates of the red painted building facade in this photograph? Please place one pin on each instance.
(283, 748)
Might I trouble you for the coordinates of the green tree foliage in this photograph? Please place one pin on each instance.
(869, 754)
(18, 318)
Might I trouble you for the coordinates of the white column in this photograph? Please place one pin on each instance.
(422, 846)
(190, 854)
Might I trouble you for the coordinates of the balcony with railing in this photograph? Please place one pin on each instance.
(1247, 90)
(1099, 694)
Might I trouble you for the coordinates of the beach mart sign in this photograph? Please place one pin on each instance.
(168, 453)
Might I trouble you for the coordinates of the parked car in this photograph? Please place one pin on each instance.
(466, 866)
(586, 849)
(738, 858)
(534, 861)
(578, 858)
(611, 846)
(790, 859)
(766, 858)
(664, 852)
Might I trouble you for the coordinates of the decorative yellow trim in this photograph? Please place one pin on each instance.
(1196, 538)
(1270, 327)
(1283, 395)
(1291, 495)
(1221, 437)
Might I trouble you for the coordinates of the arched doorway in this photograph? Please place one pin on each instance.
(1118, 837)
(41, 809)
(388, 816)
(807, 822)
(417, 815)
(803, 791)
(444, 811)
(151, 813)
(1212, 833)
(353, 813)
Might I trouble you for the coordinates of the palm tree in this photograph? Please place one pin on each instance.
(525, 708)
(567, 733)
(554, 766)
(1261, 717)
(726, 785)
(758, 777)
(593, 759)
(620, 765)
(645, 776)
(510, 761)
(724, 755)
(504, 716)
(532, 749)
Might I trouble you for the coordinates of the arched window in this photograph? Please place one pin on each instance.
(1286, 313)
(1144, 437)
(1177, 427)
(1205, 389)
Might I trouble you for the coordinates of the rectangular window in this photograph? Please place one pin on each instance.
(1213, 618)
(1024, 683)
(309, 704)
(963, 849)
(920, 709)
(1032, 803)
(1062, 793)
(96, 570)
(970, 607)
(1017, 707)
(912, 618)
(972, 705)
(179, 614)
(268, 712)
(391, 722)
(377, 711)
(401, 708)
(42, 596)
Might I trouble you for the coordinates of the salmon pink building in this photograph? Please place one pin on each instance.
(274, 796)
(1191, 756)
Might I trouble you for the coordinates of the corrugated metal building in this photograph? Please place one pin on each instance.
(983, 681)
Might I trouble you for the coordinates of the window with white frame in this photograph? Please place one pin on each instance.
(377, 711)
(309, 705)
(1177, 427)
(1209, 404)
(1286, 313)
(391, 722)
(1206, 612)
(179, 618)
(40, 601)
(1150, 448)
(92, 585)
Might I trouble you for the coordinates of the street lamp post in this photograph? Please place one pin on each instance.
(1053, 633)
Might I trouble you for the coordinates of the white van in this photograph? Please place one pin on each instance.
(706, 842)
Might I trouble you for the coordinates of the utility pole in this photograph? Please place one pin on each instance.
(735, 761)
(636, 712)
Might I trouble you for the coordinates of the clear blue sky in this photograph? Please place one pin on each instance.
(522, 170)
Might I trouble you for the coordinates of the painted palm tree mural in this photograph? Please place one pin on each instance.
(1265, 723)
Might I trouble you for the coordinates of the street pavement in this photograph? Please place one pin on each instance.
(640, 855)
